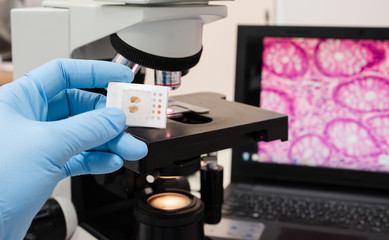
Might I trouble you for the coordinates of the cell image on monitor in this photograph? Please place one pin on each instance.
(336, 94)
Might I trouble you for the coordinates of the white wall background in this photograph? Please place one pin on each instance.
(369, 13)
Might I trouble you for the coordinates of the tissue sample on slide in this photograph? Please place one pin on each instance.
(336, 58)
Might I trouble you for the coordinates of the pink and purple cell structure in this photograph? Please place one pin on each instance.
(277, 100)
(364, 94)
(285, 59)
(351, 138)
(342, 58)
(311, 149)
(337, 93)
(380, 127)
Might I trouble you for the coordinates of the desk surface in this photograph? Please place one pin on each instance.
(5, 77)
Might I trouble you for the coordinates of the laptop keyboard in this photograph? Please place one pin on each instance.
(342, 214)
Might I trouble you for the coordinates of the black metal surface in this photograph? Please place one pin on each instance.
(212, 193)
(233, 124)
(48, 224)
(182, 168)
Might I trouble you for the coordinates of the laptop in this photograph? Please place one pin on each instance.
(330, 180)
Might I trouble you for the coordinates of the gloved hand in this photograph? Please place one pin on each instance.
(49, 131)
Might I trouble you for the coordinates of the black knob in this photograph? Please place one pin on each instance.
(153, 61)
(212, 192)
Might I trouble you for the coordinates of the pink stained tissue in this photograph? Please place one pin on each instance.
(336, 94)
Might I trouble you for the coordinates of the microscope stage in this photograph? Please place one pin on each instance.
(228, 124)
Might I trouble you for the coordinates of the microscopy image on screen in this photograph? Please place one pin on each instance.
(336, 94)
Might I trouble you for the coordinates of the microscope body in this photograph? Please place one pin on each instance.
(164, 29)
(167, 31)
(81, 29)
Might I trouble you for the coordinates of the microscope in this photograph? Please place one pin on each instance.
(149, 198)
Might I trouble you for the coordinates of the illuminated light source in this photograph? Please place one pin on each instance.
(169, 201)
(168, 177)
(173, 215)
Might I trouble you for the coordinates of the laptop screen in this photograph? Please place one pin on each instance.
(333, 83)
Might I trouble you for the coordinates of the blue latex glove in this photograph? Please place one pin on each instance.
(49, 131)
